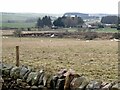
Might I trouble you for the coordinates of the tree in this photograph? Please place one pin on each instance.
(47, 21)
(39, 23)
(109, 20)
(80, 20)
(68, 21)
(58, 22)
(118, 24)
(72, 21)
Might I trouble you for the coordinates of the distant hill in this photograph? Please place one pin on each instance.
(25, 20)
(22, 20)
(21, 17)
(102, 15)
(82, 15)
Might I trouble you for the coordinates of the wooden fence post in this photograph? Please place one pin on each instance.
(17, 56)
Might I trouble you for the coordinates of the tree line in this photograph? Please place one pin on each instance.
(59, 22)
(110, 20)
(45, 21)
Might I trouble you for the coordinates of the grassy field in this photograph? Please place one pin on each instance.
(18, 25)
(107, 30)
(20, 19)
(95, 59)
(99, 30)
(24, 16)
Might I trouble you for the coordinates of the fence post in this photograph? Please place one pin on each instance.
(17, 56)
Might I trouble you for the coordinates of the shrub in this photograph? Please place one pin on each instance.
(17, 33)
(116, 35)
(90, 35)
(29, 29)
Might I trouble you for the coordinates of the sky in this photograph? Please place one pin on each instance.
(59, 6)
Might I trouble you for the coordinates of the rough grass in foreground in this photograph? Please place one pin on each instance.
(95, 59)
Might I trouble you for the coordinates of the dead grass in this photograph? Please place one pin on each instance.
(95, 59)
(7, 32)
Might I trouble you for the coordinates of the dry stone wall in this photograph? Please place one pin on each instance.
(24, 78)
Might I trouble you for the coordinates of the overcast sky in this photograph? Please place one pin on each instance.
(60, 6)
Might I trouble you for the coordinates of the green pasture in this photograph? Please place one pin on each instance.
(18, 25)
